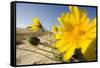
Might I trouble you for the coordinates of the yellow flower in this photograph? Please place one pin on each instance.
(76, 31)
(55, 30)
(36, 25)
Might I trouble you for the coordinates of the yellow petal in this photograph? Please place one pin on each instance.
(92, 26)
(36, 25)
(69, 53)
(64, 20)
(56, 29)
(91, 35)
(65, 47)
(65, 25)
(84, 17)
(36, 21)
(75, 11)
(72, 19)
(92, 29)
(61, 22)
(60, 43)
(35, 28)
(83, 44)
(57, 36)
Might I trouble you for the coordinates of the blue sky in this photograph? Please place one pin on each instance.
(47, 14)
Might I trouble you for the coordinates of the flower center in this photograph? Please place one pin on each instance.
(78, 32)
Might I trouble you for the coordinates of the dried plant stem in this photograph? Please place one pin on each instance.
(46, 45)
(52, 47)
(37, 53)
(75, 60)
(45, 50)
(45, 29)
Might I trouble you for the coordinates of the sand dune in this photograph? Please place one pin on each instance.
(25, 57)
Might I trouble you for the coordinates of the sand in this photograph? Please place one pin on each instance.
(24, 57)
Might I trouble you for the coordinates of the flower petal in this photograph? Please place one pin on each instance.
(83, 44)
(65, 47)
(92, 26)
(75, 11)
(69, 53)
